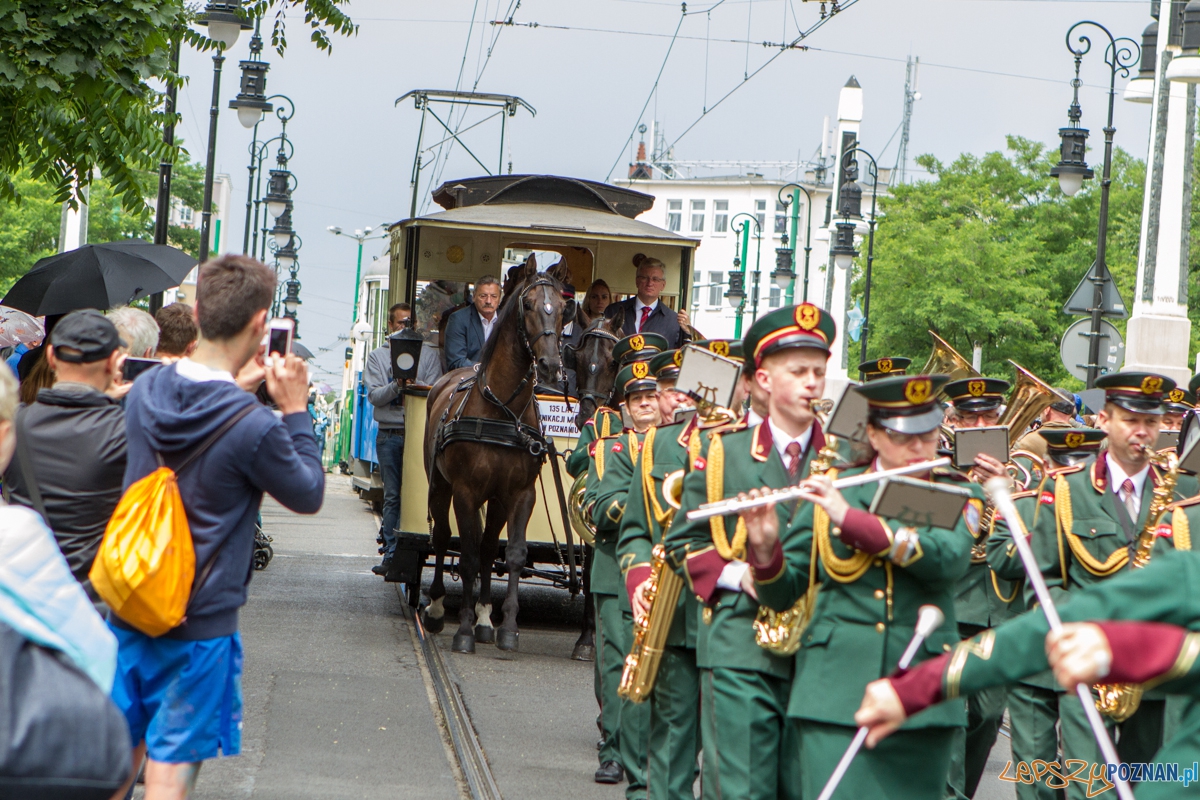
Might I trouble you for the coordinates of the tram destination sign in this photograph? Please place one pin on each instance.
(557, 418)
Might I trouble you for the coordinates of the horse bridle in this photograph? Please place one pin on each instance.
(599, 333)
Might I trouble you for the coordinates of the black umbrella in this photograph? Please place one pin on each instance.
(300, 350)
(99, 276)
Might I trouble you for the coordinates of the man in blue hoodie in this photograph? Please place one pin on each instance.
(181, 692)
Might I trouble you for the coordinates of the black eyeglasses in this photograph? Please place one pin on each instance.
(902, 439)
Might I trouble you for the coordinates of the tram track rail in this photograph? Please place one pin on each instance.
(471, 760)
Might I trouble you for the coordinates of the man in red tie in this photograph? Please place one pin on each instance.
(645, 312)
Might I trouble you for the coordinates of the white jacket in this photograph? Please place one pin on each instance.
(42, 601)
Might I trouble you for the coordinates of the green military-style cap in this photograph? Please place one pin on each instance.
(1139, 392)
(905, 404)
(804, 325)
(636, 377)
(639, 347)
(884, 367)
(665, 366)
(729, 348)
(977, 395)
(1180, 400)
(1072, 440)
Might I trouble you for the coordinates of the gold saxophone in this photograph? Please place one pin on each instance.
(779, 632)
(1119, 701)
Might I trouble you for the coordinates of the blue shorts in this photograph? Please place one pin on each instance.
(184, 698)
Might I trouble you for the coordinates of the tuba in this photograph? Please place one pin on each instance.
(1119, 701)
(581, 521)
(1030, 396)
(945, 360)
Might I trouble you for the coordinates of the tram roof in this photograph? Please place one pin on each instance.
(549, 220)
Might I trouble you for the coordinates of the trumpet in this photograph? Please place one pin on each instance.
(734, 505)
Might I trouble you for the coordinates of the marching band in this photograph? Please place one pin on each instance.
(775, 584)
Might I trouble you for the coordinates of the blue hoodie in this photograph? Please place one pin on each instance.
(171, 414)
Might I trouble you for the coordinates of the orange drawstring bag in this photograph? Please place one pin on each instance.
(145, 569)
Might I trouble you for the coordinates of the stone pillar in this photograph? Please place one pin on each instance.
(1159, 330)
(837, 288)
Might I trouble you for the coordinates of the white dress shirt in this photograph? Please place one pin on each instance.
(781, 440)
(488, 325)
(752, 418)
(1117, 477)
(638, 305)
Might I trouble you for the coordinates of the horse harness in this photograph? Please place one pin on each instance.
(511, 432)
(599, 333)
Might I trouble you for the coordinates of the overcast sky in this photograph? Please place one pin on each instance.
(988, 68)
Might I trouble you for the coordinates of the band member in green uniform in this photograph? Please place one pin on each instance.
(1100, 508)
(616, 462)
(675, 701)
(607, 421)
(1035, 712)
(1176, 403)
(886, 367)
(744, 730)
(978, 604)
(867, 577)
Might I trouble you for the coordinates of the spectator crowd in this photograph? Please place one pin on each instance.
(103, 402)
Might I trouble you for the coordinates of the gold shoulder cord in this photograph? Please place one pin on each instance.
(600, 459)
(1066, 518)
(999, 594)
(715, 484)
(648, 494)
(634, 450)
(604, 429)
(1181, 531)
(693, 448)
(842, 570)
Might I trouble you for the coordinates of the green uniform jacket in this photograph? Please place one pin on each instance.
(616, 460)
(580, 458)
(1166, 590)
(867, 606)
(736, 460)
(664, 450)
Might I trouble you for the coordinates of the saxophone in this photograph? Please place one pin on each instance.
(779, 632)
(650, 632)
(1119, 701)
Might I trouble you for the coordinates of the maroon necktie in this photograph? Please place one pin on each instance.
(793, 467)
(1127, 488)
(645, 315)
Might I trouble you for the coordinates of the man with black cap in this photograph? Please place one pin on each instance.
(1100, 507)
(70, 460)
(745, 735)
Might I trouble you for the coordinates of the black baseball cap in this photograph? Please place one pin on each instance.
(87, 331)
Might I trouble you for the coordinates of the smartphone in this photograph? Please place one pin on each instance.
(279, 336)
(136, 366)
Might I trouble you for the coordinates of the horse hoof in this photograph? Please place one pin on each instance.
(506, 640)
(485, 634)
(584, 652)
(463, 643)
(432, 624)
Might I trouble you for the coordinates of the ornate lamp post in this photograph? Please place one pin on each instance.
(850, 211)
(789, 201)
(1072, 169)
(736, 296)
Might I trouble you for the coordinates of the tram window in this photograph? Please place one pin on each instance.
(697, 216)
(674, 215)
(760, 211)
(720, 216)
(781, 219)
(716, 282)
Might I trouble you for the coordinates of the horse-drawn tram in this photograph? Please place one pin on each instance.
(484, 446)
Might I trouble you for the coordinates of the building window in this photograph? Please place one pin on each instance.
(760, 211)
(185, 215)
(781, 218)
(776, 297)
(697, 216)
(695, 288)
(716, 283)
(720, 216)
(674, 215)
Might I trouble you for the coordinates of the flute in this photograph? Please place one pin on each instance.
(734, 505)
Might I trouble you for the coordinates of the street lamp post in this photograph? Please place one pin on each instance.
(736, 296)
(252, 105)
(225, 23)
(793, 201)
(359, 236)
(850, 210)
(1072, 169)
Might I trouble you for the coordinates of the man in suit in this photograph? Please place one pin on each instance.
(644, 312)
(468, 328)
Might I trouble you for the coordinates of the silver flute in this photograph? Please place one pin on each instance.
(734, 505)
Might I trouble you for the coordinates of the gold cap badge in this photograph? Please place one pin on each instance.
(884, 365)
(1074, 439)
(720, 348)
(1151, 384)
(1176, 396)
(678, 359)
(976, 388)
(637, 342)
(807, 316)
(640, 368)
(917, 390)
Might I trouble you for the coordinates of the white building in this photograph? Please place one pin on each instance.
(218, 234)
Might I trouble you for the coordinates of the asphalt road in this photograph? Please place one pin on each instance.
(336, 705)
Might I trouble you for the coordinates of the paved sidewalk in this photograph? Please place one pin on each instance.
(335, 706)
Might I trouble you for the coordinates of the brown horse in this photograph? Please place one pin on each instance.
(483, 445)
(595, 374)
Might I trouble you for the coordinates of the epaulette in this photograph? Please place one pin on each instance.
(1054, 473)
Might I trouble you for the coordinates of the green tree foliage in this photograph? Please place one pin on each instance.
(28, 230)
(109, 220)
(78, 85)
(989, 250)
